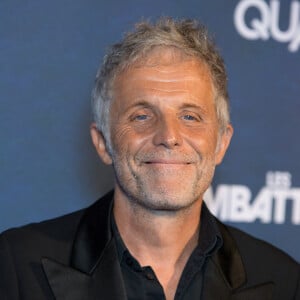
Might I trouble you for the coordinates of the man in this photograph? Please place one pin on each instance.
(161, 114)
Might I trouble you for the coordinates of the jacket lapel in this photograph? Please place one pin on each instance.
(70, 284)
(94, 271)
(216, 286)
(225, 275)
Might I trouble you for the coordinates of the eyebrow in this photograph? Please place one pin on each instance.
(138, 104)
(141, 103)
(146, 104)
(190, 105)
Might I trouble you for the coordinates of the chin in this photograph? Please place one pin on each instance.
(165, 202)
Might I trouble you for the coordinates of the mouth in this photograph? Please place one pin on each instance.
(157, 159)
(167, 162)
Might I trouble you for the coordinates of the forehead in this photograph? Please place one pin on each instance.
(165, 71)
(161, 57)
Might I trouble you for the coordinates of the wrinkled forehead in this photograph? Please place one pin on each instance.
(164, 56)
(161, 57)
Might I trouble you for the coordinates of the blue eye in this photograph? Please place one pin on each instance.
(189, 117)
(141, 117)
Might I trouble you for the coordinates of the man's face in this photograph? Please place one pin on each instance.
(164, 132)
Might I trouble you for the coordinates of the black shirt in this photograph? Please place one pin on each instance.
(141, 282)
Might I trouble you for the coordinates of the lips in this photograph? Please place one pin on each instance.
(167, 162)
(165, 158)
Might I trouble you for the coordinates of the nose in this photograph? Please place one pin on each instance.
(168, 133)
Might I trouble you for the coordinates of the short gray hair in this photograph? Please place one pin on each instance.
(188, 36)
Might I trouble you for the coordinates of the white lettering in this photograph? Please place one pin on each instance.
(240, 201)
(280, 197)
(295, 43)
(267, 25)
(233, 202)
(295, 195)
(278, 179)
(259, 26)
(262, 206)
(277, 34)
(219, 205)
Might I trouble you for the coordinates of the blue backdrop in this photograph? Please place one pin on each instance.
(49, 54)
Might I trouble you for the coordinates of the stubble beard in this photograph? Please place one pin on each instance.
(159, 198)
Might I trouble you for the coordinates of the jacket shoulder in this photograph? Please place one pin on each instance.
(46, 237)
(21, 251)
(264, 262)
(258, 249)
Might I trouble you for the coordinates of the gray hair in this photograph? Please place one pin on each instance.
(188, 36)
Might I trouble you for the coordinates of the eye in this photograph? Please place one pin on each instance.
(189, 118)
(141, 117)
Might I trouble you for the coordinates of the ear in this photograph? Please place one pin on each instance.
(223, 143)
(100, 144)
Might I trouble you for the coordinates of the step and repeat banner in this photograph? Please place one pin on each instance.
(49, 54)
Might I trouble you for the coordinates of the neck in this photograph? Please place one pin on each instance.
(163, 240)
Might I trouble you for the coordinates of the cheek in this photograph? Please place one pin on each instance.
(203, 141)
(126, 141)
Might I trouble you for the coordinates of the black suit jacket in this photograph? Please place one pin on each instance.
(74, 258)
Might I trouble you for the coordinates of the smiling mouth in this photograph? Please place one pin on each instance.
(168, 162)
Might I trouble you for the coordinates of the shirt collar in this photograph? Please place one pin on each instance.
(121, 248)
(210, 238)
(209, 241)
